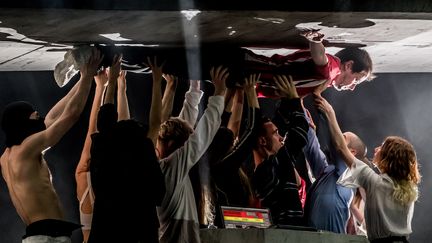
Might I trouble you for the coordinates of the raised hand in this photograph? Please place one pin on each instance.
(323, 106)
(91, 67)
(156, 105)
(156, 69)
(101, 78)
(171, 80)
(114, 70)
(249, 89)
(312, 35)
(286, 87)
(250, 82)
(219, 76)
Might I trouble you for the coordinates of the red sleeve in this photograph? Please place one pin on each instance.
(331, 69)
(302, 192)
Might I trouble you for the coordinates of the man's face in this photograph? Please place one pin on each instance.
(347, 79)
(34, 116)
(273, 141)
(162, 148)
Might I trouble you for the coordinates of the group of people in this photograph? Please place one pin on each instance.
(145, 183)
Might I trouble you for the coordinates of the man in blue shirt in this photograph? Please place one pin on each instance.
(327, 205)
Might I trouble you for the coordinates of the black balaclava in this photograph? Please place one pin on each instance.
(16, 122)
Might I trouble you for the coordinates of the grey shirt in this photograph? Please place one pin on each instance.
(178, 214)
(384, 215)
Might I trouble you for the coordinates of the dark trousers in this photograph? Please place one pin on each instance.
(51, 227)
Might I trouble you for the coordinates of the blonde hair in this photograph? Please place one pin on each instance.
(398, 160)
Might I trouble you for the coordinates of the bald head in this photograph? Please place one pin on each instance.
(356, 145)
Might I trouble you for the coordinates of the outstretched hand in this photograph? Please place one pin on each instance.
(286, 87)
(323, 106)
(156, 69)
(249, 89)
(312, 35)
(219, 77)
(114, 70)
(101, 78)
(170, 79)
(91, 67)
(250, 82)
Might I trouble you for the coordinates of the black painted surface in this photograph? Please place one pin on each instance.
(320, 6)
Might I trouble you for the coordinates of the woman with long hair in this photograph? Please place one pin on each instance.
(390, 195)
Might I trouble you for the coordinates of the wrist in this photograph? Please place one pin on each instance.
(157, 80)
(251, 96)
(315, 41)
(87, 76)
(100, 87)
(170, 85)
(219, 92)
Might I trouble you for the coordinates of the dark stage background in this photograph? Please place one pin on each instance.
(392, 104)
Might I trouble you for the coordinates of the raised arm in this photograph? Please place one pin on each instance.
(243, 149)
(59, 107)
(189, 111)
(226, 115)
(335, 131)
(38, 142)
(293, 122)
(206, 128)
(156, 105)
(113, 74)
(317, 49)
(290, 118)
(229, 97)
(83, 167)
(249, 89)
(84, 162)
(122, 100)
(236, 104)
(168, 96)
(314, 155)
(237, 111)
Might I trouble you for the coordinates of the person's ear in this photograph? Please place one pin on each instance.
(262, 141)
(353, 151)
(348, 65)
(170, 144)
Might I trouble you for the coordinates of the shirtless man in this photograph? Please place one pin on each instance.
(23, 167)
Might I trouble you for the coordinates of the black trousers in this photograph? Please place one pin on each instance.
(51, 227)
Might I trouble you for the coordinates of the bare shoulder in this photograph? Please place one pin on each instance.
(16, 165)
(32, 147)
(24, 157)
(4, 156)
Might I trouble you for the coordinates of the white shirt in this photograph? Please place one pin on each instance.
(178, 209)
(384, 215)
